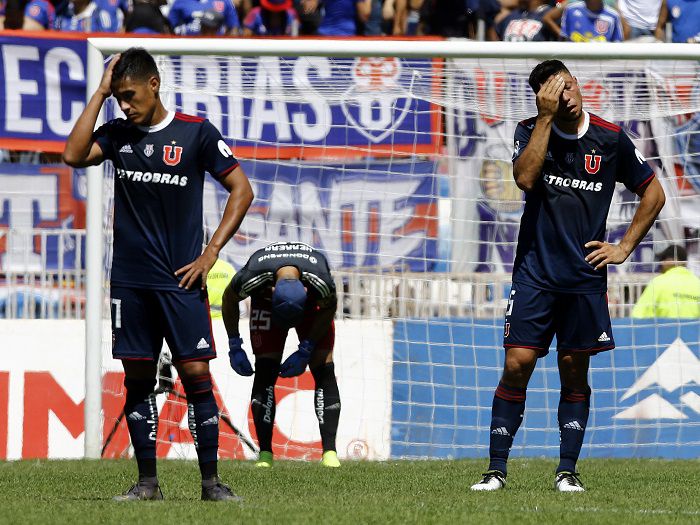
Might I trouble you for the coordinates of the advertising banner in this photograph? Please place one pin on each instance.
(42, 393)
(645, 402)
(360, 215)
(268, 107)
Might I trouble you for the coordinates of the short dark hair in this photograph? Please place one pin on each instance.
(135, 63)
(674, 252)
(543, 71)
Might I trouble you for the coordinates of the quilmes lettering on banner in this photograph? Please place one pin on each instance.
(269, 107)
(379, 214)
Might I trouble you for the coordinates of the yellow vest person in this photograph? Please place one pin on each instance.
(674, 294)
(217, 281)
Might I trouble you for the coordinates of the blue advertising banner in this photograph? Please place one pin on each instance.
(645, 403)
(310, 106)
(42, 91)
(360, 215)
(268, 107)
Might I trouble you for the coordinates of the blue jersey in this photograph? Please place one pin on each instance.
(524, 26)
(569, 204)
(185, 15)
(684, 16)
(579, 24)
(41, 12)
(339, 18)
(93, 19)
(158, 190)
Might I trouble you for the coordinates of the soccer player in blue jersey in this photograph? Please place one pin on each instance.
(159, 270)
(567, 162)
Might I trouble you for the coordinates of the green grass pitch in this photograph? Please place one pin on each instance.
(619, 492)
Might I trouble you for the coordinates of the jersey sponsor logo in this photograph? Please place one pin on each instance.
(306, 256)
(153, 177)
(172, 155)
(202, 345)
(570, 157)
(148, 150)
(604, 338)
(593, 162)
(126, 148)
(576, 184)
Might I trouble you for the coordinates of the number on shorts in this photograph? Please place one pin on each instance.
(259, 319)
(117, 312)
(511, 301)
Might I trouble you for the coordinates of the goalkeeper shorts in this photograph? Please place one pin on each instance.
(142, 318)
(581, 322)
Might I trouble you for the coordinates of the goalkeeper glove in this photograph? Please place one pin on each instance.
(238, 358)
(296, 363)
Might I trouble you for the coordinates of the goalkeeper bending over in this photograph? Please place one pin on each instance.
(290, 286)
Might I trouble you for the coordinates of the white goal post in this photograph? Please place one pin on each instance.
(448, 105)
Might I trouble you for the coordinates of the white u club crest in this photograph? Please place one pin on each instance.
(148, 150)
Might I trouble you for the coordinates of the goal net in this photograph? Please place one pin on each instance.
(395, 161)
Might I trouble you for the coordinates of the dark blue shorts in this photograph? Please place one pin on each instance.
(581, 322)
(141, 318)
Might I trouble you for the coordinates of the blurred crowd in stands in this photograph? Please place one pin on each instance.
(509, 20)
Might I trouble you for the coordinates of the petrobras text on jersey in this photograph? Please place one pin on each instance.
(576, 184)
(152, 177)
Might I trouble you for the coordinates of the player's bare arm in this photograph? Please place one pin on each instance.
(528, 166)
(239, 200)
(651, 200)
(81, 150)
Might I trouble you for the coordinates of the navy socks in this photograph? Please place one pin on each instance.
(573, 417)
(506, 416)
